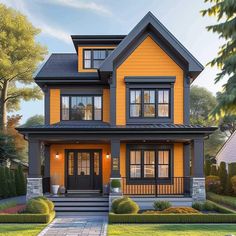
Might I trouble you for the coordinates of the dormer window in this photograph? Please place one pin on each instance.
(93, 58)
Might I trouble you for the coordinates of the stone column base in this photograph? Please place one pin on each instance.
(198, 189)
(34, 188)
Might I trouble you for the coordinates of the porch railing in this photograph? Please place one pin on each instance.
(175, 186)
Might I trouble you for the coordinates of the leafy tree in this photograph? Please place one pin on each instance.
(228, 124)
(225, 13)
(19, 57)
(223, 175)
(34, 120)
(202, 102)
(20, 181)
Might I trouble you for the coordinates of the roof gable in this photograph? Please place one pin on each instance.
(148, 22)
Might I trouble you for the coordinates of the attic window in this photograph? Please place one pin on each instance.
(93, 58)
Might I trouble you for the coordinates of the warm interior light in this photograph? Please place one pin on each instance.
(57, 155)
(107, 155)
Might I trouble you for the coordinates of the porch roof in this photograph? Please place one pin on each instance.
(102, 127)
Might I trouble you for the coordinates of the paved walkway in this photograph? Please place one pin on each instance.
(77, 226)
(18, 200)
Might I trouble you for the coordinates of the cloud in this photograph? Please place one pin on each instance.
(81, 4)
(39, 23)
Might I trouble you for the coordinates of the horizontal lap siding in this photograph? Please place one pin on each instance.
(106, 105)
(57, 166)
(148, 59)
(54, 105)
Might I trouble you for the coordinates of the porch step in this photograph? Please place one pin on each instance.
(83, 191)
(74, 205)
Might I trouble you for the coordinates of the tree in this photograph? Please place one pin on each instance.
(20, 181)
(202, 102)
(3, 183)
(223, 175)
(13, 184)
(34, 120)
(19, 57)
(214, 170)
(207, 167)
(228, 124)
(225, 12)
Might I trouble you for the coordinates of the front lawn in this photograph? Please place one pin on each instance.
(171, 229)
(21, 229)
(222, 199)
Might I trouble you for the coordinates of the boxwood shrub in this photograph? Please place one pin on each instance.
(172, 218)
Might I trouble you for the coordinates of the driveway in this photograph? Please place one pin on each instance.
(77, 225)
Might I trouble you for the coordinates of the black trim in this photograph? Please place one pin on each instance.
(148, 147)
(150, 79)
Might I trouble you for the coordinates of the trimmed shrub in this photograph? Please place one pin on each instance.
(3, 183)
(229, 187)
(20, 181)
(116, 202)
(115, 183)
(161, 205)
(47, 201)
(37, 206)
(223, 176)
(173, 218)
(207, 167)
(213, 184)
(232, 169)
(233, 181)
(181, 210)
(127, 207)
(198, 206)
(12, 184)
(8, 182)
(214, 170)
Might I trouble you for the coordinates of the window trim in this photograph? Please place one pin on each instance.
(150, 120)
(81, 95)
(150, 147)
(92, 59)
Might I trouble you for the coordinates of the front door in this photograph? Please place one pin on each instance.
(83, 169)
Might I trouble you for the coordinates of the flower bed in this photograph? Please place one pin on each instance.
(13, 210)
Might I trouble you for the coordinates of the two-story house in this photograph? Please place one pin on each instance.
(119, 108)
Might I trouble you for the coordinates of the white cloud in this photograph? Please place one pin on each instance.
(81, 4)
(45, 27)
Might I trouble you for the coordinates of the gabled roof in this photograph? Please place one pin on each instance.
(194, 66)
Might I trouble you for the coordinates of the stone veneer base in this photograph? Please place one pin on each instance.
(198, 189)
(34, 188)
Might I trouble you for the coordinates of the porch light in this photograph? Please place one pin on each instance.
(107, 155)
(57, 155)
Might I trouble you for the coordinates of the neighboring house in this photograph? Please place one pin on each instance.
(227, 153)
(118, 108)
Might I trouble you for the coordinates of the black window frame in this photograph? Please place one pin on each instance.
(147, 147)
(92, 56)
(82, 95)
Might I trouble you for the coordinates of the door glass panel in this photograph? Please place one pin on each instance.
(70, 163)
(96, 163)
(83, 163)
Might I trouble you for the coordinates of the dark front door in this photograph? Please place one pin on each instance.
(84, 169)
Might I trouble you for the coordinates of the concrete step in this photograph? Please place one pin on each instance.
(81, 213)
(85, 204)
(82, 209)
(79, 199)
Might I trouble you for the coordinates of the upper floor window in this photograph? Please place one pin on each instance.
(93, 58)
(81, 108)
(149, 103)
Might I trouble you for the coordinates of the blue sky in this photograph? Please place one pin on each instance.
(58, 19)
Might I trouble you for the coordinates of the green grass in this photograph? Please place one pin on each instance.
(20, 229)
(171, 229)
(222, 199)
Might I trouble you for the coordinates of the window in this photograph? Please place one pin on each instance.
(163, 164)
(147, 164)
(83, 163)
(163, 103)
(71, 163)
(81, 108)
(93, 58)
(142, 103)
(135, 164)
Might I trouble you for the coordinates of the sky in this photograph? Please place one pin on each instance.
(58, 19)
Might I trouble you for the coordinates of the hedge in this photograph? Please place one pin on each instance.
(222, 209)
(27, 218)
(172, 218)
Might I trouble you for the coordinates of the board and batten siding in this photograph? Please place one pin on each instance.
(148, 59)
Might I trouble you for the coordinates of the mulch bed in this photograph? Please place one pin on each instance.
(13, 210)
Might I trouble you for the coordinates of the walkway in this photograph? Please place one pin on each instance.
(77, 226)
(18, 200)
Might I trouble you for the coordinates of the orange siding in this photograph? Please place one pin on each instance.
(106, 105)
(148, 59)
(54, 106)
(80, 57)
(57, 166)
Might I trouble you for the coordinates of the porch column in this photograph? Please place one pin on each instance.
(46, 179)
(198, 179)
(34, 180)
(187, 154)
(115, 158)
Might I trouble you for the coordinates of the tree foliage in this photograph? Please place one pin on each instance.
(223, 176)
(34, 120)
(19, 57)
(225, 13)
(20, 181)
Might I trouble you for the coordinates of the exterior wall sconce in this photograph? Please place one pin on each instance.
(57, 155)
(108, 155)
